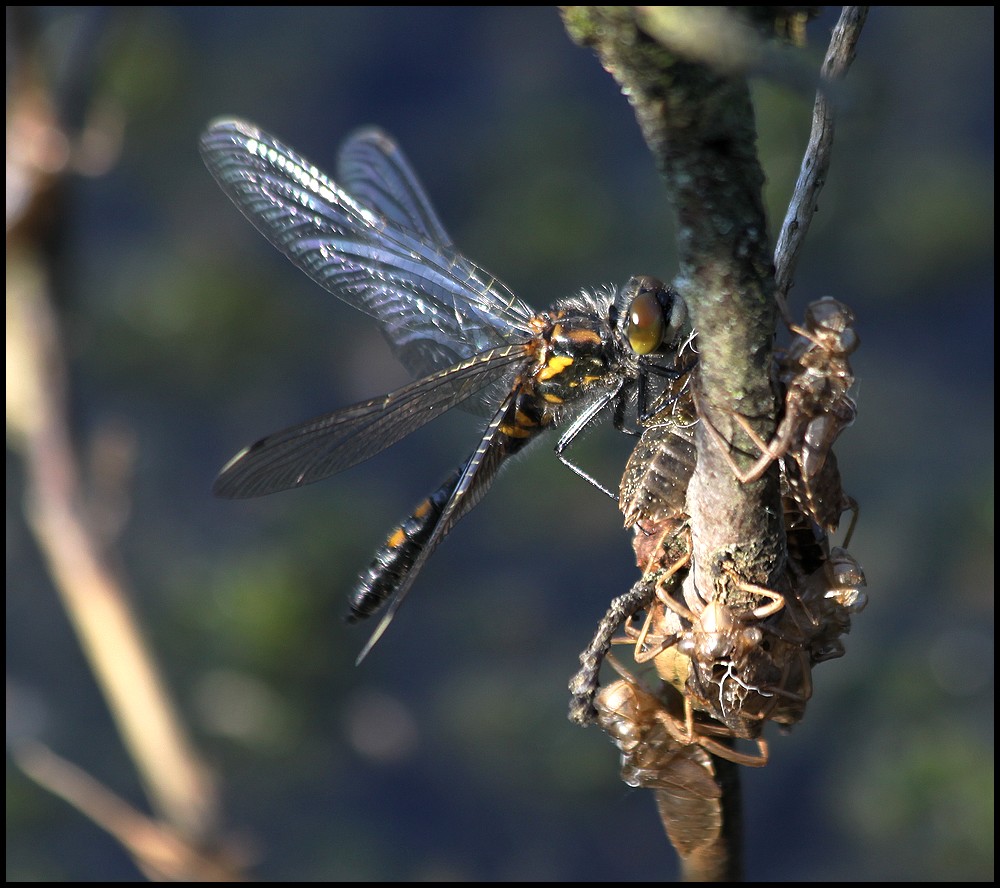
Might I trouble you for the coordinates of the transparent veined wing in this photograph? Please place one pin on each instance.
(328, 444)
(372, 169)
(434, 306)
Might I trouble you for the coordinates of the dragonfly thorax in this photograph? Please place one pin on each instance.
(577, 355)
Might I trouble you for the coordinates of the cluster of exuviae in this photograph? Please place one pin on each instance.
(725, 670)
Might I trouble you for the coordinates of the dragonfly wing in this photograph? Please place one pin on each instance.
(433, 305)
(328, 444)
(372, 169)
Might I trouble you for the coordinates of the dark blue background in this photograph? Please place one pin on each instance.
(190, 331)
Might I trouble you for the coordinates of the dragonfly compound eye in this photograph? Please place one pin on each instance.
(646, 325)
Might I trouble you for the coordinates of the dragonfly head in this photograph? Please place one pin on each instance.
(649, 315)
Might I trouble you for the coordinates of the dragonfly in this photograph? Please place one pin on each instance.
(373, 239)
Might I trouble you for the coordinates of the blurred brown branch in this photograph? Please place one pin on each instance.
(91, 585)
(159, 851)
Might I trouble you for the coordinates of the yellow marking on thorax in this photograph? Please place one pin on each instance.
(554, 366)
(515, 431)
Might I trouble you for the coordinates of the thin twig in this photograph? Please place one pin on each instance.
(816, 161)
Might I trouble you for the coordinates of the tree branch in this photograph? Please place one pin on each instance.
(699, 125)
(682, 69)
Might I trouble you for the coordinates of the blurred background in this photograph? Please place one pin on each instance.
(447, 754)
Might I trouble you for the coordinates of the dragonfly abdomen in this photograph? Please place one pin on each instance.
(396, 555)
(523, 420)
